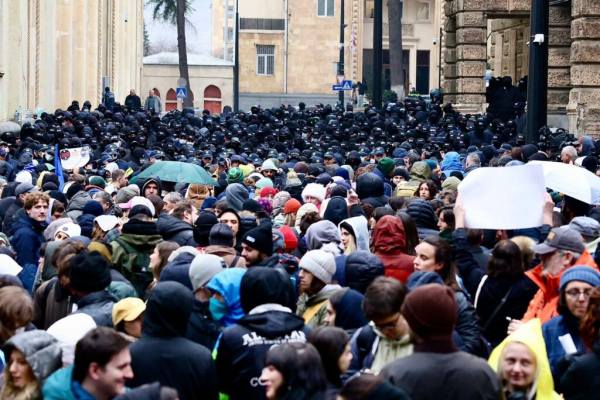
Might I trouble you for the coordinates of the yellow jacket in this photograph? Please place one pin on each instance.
(530, 335)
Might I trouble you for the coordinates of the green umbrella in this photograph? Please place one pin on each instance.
(176, 171)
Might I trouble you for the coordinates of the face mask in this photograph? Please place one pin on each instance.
(304, 135)
(182, 141)
(218, 309)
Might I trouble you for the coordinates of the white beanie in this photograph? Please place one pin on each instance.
(303, 210)
(315, 190)
(68, 331)
(70, 229)
(320, 263)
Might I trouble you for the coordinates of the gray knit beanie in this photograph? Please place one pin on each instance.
(320, 263)
(203, 268)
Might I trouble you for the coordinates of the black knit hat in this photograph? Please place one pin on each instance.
(260, 238)
(221, 235)
(89, 272)
(74, 189)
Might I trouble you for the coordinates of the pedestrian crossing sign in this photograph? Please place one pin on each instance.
(181, 93)
(347, 85)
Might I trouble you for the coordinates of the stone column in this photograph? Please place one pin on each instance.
(584, 100)
(465, 56)
(559, 73)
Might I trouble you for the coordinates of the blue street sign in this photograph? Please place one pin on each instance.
(181, 93)
(346, 85)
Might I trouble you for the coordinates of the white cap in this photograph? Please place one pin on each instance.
(107, 222)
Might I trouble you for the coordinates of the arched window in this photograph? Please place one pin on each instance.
(156, 92)
(212, 99)
(171, 103)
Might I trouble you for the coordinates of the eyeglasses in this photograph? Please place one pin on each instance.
(575, 293)
(389, 325)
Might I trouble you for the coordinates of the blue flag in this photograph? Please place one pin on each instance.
(58, 168)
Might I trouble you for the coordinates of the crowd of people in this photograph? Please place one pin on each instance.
(326, 257)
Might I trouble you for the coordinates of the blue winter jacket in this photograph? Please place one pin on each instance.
(560, 326)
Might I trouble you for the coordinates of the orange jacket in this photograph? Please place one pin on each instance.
(543, 305)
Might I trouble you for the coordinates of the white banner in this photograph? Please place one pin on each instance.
(504, 198)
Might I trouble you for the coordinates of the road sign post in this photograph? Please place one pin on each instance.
(344, 86)
(181, 92)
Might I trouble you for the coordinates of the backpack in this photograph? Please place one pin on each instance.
(136, 264)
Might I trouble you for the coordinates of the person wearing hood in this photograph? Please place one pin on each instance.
(224, 304)
(424, 216)
(236, 195)
(78, 198)
(344, 311)
(430, 312)
(336, 210)
(132, 249)
(419, 173)
(163, 353)
(333, 345)
(179, 226)
(202, 327)
(202, 226)
(389, 243)
(355, 234)
(362, 268)
(89, 277)
(451, 162)
(370, 387)
(370, 189)
(324, 233)
(317, 268)
(221, 244)
(151, 186)
(522, 365)
(267, 299)
(31, 357)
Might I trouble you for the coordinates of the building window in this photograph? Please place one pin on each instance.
(423, 10)
(265, 60)
(423, 71)
(325, 8)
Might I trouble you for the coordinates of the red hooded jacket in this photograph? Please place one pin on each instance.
(389, 243)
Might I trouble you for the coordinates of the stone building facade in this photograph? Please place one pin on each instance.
(296, 61)
(211, 81)
(55, 51)
(574, 55)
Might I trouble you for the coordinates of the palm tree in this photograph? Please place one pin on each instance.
(174, 12)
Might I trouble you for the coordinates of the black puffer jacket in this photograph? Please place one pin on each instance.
(163, 353)
(370, 190)
(581, 382)
(202, 328)
(424, 216)
(362, 267)
(175, 230)
(241, 351)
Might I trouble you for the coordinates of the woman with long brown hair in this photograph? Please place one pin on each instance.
(159, 259)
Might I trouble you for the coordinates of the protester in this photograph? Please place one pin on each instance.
(576, 286)
(333, 345)
(202, 327)
(370, 387)
(102, 349)
(344, 311)
(31, 358)
(316, 272)
(128, 317)
(294, 371)
(579, 380)
(385, 338)
(267, 299)
(430, 312)
(164, 354)
(521, 363)
(389, 244)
